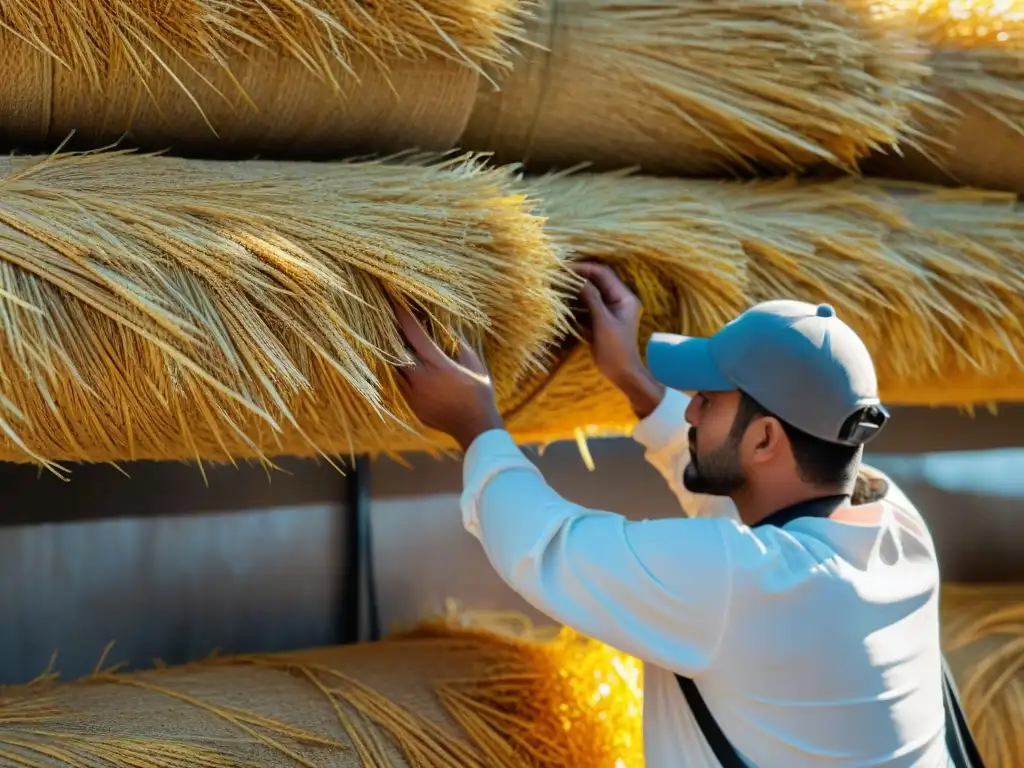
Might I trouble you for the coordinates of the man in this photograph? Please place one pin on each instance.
(811, 642)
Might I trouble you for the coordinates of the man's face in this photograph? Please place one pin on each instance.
(715, 468)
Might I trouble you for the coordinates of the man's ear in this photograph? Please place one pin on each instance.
(766, 437)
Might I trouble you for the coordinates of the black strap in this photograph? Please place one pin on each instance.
(959, 740)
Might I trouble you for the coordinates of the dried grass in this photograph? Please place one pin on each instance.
(438, 697)
(694, 87)
(977, 60)
(153, 307)
(92, 36)
(932, 279)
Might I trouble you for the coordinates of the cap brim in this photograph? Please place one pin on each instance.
(685, 363)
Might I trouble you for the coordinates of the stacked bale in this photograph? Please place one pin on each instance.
(255, 76)
(160, 308)
(972, 132)
(440, 698)
(671, 86)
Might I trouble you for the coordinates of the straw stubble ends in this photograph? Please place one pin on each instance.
(702, 88)
(163, 308)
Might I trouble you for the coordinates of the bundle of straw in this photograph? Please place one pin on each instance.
(977, 58)
(163, 308)
(327, 76)
(442, 697)
(932, 279)
(693, 87)
(984, 639)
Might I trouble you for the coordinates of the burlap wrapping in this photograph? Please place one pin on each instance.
(268, 104)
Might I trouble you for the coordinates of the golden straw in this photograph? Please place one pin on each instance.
(692, 87)
(164, 308)
(932, 279)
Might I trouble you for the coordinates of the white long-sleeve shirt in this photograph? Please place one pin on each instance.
(813, 645)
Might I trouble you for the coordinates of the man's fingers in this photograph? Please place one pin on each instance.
(419, 342)
(470, 360)
(612, 289)
(594, 302)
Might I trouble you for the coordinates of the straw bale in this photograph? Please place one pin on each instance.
(93, 35)
(259, 103)
(317, 77)
(977, 56)
(984, 637)
(691, 87)
(932, 279)
(438, 697)
(156, 307)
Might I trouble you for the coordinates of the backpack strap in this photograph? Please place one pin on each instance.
(959, 741)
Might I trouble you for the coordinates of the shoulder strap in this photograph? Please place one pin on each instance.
(959, 741)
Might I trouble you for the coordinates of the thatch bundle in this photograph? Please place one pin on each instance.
(157, 308)
(977, 58)
(691, 87)
(678, 86)
(932, 279)
(162, 308)
(264, 76)
(442, 698)
(984, 637)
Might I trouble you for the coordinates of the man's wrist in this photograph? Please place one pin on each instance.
(643, 391)
(467, 433)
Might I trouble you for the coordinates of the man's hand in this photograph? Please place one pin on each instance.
(451, 396)
(615, 326)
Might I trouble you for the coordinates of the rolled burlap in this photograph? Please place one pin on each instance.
(265, 104)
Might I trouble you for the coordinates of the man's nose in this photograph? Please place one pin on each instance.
(692, 414)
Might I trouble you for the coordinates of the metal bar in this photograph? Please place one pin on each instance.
(358, 576)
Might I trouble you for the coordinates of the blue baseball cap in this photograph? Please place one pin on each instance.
(798, 360)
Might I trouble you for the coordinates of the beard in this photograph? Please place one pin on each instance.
(716, 472)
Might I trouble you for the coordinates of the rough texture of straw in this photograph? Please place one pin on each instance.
(93, 35)
(259, 103)
(163, 308)
(984, 638)
(250, 76)
(694, 87)
(154, 307)
(440, 697)
(933, 279)
(977, 56)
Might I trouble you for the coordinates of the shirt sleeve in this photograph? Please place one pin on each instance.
(655, 589)
(664, 435)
